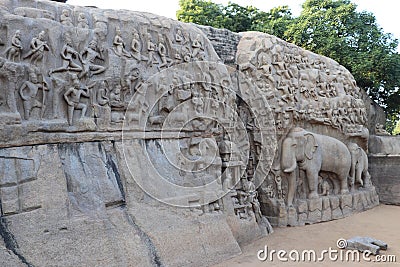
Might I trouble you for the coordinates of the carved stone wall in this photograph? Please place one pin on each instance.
(317, 94)
(384, 167)
(126, 130)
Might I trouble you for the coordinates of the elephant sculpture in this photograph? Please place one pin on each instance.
(359, 166)
(314, 153)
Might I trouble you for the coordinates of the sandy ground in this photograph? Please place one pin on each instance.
(382, 222)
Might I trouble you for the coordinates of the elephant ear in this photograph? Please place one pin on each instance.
(311, 146)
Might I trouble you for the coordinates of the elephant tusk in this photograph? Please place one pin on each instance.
(291, 169)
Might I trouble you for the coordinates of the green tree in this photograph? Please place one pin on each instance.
(203, 13)
(396, 130)
(332, 28)
(335, 29)
(234, 17)
(274, 22)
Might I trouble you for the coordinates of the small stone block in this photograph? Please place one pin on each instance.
(326, 203)
(366, 243)
(302, 206)
(346, 201)
(334, 202)
(314, 216)
(315, 204)
(326, 215)
(337, 214)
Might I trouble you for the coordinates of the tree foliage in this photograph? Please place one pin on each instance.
(234, 17)
(396, 130)
(333, 28)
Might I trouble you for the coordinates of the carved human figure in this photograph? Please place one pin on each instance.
(179, 41)
(197, 46)
(198, 103)
(162, 51)
(115, 97)
(179, 36)
(38, 46)
(251, 193)
(14, 51)
(119, 46)
(134, 80)
(102, 98)
(65, 18)
(28, 92)
(136, 46)
(313, 153)
(324, 186)
(68, 54)
(73, 98)
(83, 21)
(151, 49)
(88, 56)
(269, 191)
(287, 92)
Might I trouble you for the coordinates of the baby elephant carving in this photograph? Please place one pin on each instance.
(359, 166)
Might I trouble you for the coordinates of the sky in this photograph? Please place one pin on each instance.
(385, 11)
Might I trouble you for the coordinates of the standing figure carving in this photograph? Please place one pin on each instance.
(73, 98)
(28, 92)
(162, 51)
(151, 48)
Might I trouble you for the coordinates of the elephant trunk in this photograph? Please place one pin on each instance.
(288, 165)
(288, 160)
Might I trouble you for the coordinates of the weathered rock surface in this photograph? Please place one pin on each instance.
(127, 142)
(366, 243)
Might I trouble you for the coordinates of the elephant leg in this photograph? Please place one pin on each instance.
(359, 173)
(292, 184)
(312, 179)
(344, 189)
(367, 178)
(352, 176)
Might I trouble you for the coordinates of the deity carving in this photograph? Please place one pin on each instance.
(82, 21)
(136, 47)
(119, 45)
(73, 98)
(151, 49)
(69, 56)
(14, 52)
(162, 51)
(65, 18)
(88, 57)
(38, 46)
(29, 94)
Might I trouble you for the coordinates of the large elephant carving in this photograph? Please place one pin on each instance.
(313, 153)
